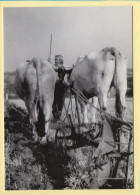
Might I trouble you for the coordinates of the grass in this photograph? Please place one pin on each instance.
(111, 108)
(31, 166)
(22, 170)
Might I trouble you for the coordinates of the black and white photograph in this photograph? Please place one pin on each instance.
(68, 98)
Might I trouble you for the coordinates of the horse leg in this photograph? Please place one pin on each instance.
(32, 117)
(35, 135)
(120, 102)
(47, 110)
(83, 105)
(93, 110)
(102, 97)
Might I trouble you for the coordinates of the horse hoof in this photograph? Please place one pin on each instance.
(35, 139)
(104, 108)
(43, 140)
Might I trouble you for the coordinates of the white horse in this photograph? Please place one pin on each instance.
(95, 74)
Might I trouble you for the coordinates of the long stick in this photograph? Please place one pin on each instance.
(50, 47)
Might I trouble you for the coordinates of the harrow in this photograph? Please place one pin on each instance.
(110, 152)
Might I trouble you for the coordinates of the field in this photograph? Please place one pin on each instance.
(32, 166)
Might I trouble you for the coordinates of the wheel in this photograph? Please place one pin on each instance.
(60, 139)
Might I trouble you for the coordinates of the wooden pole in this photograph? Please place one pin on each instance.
(50, 49)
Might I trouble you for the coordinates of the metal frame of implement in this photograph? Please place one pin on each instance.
(105, 146)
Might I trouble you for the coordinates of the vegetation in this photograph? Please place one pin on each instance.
(9, 82)
(22, 170)
(32, 166)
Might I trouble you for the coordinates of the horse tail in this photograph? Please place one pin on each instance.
(37, 63)
(120, 82)
(38, 101)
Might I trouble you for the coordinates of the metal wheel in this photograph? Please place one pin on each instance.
(60, 139)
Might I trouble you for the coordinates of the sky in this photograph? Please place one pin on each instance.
(75, 31)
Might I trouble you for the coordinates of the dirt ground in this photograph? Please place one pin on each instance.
(32, 166)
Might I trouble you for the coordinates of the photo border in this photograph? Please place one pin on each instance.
(136, 95)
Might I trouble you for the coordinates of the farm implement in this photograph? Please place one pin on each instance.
(110, 138)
